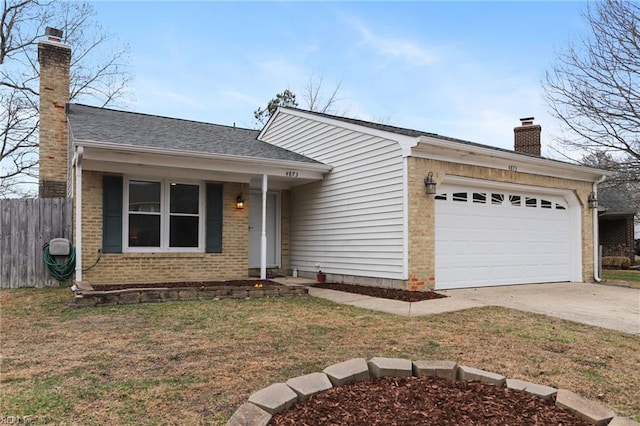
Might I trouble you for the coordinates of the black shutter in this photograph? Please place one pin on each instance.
(214, 218)
(112, 214)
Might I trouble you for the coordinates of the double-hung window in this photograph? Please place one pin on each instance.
(163, 215)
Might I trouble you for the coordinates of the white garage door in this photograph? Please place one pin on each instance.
(487, 237)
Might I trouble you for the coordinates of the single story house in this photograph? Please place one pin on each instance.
(164, 199)
(616, 223)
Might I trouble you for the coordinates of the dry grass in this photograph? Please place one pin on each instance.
(196, 362)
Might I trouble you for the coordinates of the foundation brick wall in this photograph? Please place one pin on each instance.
(54, 59)
(116, 268)
(422, 212)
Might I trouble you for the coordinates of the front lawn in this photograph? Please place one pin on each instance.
(629, 277)
(196, 362)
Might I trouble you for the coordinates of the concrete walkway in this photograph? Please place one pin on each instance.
(616, 308)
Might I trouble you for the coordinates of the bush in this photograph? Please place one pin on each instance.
(615, 262)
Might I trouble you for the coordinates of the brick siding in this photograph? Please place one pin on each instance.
(117, 268)
(527, 139)
(54, 61)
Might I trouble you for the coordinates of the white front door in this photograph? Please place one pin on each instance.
(273, 229)
(488, 237)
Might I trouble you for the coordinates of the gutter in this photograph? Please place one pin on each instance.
(301, 165)
(596, 243)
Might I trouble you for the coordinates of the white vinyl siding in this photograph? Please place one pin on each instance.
(350, 223)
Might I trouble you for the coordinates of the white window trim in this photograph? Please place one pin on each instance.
(165, 188)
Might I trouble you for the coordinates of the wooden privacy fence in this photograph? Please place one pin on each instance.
(26, 225)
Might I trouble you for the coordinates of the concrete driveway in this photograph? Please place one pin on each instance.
(616, 308)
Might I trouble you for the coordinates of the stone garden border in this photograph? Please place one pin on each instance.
(263, 404)
(164, 294)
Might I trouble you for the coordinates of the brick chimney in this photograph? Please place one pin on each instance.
(55, 59)
(527, 137)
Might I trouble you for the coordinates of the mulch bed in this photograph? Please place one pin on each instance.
(189, 284)
(385, 293)
(424, 401)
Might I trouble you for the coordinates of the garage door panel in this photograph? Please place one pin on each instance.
(483, 244)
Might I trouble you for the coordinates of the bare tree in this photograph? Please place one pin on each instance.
(594, 87)
(623, 182)
(314, 98)
(99, 75)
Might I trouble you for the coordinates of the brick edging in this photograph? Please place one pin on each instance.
(163, 294)
(263, 404)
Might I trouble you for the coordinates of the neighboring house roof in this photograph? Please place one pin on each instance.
(102, 125)
(616, 201)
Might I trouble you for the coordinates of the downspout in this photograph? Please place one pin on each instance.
(596, 242)
(78, 212)
(405, 217)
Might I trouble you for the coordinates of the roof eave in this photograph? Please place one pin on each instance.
(614, 215)
(269, 162)
(438, 149)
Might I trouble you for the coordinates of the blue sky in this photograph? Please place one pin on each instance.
(462, 69)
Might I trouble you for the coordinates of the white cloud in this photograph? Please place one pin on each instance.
(179, 98)
(242, 97)
(394, 47)
(280, 69)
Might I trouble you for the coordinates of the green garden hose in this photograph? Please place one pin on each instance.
(61, 270)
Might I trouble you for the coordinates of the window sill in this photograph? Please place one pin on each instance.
(161, 254)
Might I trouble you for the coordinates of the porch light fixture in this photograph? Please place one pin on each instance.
(239, 202)
(592, 201)
(430, 184)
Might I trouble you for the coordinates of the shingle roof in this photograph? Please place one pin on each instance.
(616, 200)
(94, 124)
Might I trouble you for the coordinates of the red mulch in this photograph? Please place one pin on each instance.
(188, 284)
(385, 293)
(424, 401)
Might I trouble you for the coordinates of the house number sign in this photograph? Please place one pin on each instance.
(291, 174)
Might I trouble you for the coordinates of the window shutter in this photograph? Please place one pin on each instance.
(214, 218)
(112, 214)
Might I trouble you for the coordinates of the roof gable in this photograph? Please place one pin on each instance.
(405, 131)
(431, 145)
